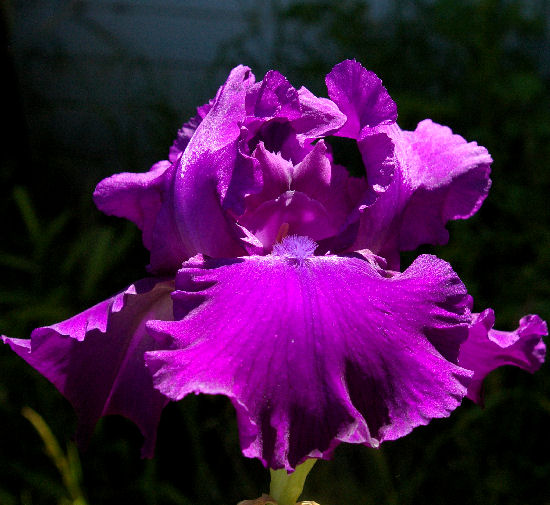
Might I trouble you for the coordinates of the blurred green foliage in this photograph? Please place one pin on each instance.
(479, 66)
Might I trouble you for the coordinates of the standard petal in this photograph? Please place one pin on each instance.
(180, 206)
(449, 178)
(316, 350)
(193, 211)
(439, 176)
(377, 152)
(95, 359)
(294, 210)
(273, 97)
(319, 116)
(191, 218)
(359, 94)
(487, 349)
(187, 131)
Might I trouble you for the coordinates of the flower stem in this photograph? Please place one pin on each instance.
(285, 487)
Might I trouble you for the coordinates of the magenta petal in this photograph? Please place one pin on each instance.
(319, 116)
(187, 131)
(359, 94)
(313, 174)
(273, 97)
(377, 152)
(312, 197)
(439, 176)
(180, 206)
(302, 214)
(136, 197)
(448, 177)
(487, 349)
(316, 350)
(276, 176)
(192, 218)
(95, 359)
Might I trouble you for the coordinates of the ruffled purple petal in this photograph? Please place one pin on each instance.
(487, 349)
(316, 350)
(187, 131)
(192, 203)
(179, 206)
(192, 218)
(319, 116)
(449, 178)
(273, 97)
(137, 197)
(95, 359)
(439, 177)
(359, 94)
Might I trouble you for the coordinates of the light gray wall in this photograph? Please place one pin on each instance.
(97, 73)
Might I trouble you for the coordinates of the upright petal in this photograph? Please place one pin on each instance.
(95, 359)
(187, 131)
(359, 94)
(178, 205)
(273, 97)
(439, 176)
(193, 211)
(319, 116)
(487, 349)
(449, 179)
(316, 350)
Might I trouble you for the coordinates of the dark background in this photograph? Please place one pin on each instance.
(85, 100)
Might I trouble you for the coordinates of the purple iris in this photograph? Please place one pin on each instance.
(277, 280)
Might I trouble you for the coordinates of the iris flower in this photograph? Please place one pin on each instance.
(276, 280)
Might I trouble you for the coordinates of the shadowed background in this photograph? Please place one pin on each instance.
(98, 87)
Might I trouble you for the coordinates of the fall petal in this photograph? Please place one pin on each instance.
(487, 349)
(95, 359)
(314, 351)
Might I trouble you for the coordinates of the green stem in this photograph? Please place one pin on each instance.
(68, 465)
(286, 487)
